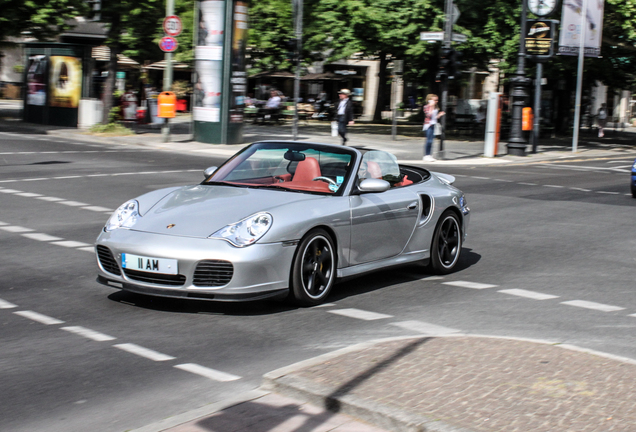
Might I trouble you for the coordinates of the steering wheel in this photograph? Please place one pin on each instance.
(325, 179)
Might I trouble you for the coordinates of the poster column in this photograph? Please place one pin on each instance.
(219, 69)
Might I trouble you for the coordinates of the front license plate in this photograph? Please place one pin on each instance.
(148, 264)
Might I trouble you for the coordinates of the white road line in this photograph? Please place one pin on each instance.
(632, 315)
(503, 180)
(360, 314)
(70, 244)
(472, 285)
(528, 294)
(592, 305)
(88, 333)
(43, 319)
(91, 175)
(581, 189)
(97, 209)
(41, 237)
(73, 203)
(481, 178)
(6, 305)
(207, 372)
(424, 327)
(553, 186)
(15, 229)
(52, 199)
(143, 352)
(29, 194)
(324, 305)
(4, 224)
(528, 184)
(90, 249)
(11, 191)
(608, 193)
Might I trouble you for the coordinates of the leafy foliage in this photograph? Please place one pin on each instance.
(38, 18)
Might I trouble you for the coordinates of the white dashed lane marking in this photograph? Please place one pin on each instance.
(6, 305)
(144, 352)
(38, 317)
(471, 285)
(528, 294)
(207, 372)
(424, 327)
(15, 229)
(88, 333)
(592, 305)
(70, 244)
(29, 194)
(42, 237)
(70, 203)
(360, 314)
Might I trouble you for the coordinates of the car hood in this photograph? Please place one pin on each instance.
(201, 210)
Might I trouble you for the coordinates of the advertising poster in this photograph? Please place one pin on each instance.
(36, 80)
(239, 76)
(571, 20)
(209, 61)
(65, 83)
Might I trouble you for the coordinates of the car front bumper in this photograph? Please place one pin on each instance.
(258, 270)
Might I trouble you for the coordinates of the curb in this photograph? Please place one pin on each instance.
(390, 418)
(385, 416)
(204, 411)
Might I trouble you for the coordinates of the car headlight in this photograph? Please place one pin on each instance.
(124, 217)
(246, 232)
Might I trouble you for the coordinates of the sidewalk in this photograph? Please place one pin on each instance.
(452, 383)
(407, 146)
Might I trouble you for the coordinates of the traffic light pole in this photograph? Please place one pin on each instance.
(517, 144)
(448, 37)
(167, 76)
(298, 17)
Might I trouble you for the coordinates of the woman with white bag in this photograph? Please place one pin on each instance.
(432, 114)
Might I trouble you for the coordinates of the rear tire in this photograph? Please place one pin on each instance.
(447, 244)
(314, 269)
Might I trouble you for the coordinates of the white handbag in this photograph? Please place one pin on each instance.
(438, 129)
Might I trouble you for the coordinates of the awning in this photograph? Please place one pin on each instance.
(161, 65)
(102, 53)
(324, 76)
(280, 74)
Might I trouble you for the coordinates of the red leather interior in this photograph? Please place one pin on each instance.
(405, 182)
(307, 170)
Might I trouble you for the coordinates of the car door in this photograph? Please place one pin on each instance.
(382, 223)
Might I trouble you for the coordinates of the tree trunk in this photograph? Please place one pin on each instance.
(109, 84)
(379, 104)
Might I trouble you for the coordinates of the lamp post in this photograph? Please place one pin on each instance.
(517, 144)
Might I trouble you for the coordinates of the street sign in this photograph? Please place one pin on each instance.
(431, 36)
(458, 37)
(168, 44)
(172, 25)
(455, 13)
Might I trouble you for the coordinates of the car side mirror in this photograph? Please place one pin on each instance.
(374, 185)
(209, 171)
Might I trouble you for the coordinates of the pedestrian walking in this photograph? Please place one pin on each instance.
(432, 114)
(602, 120)
(344, 114)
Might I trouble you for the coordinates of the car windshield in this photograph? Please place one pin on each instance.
(311, 168)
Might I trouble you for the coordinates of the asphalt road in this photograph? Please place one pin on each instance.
(550, 255)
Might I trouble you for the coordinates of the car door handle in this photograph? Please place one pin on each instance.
(412, 206)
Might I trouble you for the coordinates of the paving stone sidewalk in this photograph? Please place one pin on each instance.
(466, 383)
(457, 383)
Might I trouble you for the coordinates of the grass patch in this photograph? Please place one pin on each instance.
(110, 129)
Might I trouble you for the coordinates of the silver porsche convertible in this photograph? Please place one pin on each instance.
(283, 219)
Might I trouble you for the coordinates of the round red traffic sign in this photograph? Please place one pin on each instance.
(172, 25)
(168, 44)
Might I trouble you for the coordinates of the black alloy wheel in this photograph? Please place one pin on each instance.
(447, 244)
(314, 269)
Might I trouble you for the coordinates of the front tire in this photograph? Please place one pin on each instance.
(447, 244)
(314, 269)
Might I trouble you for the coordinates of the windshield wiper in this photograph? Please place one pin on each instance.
(222, 183)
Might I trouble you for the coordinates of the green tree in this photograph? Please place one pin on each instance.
(41, 19)
(271, 25)
(374, 29)
(132, 25)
